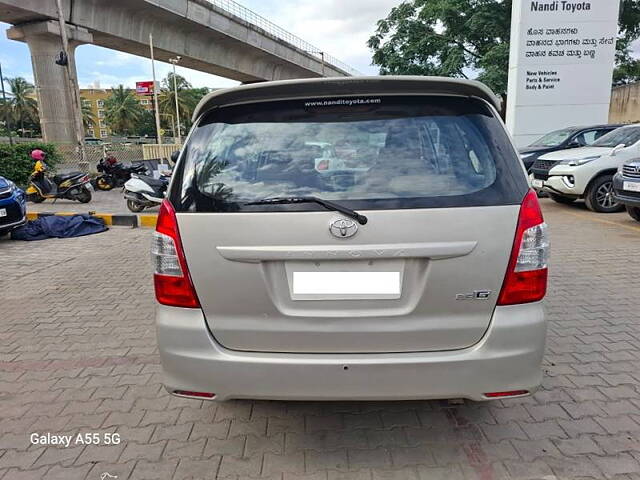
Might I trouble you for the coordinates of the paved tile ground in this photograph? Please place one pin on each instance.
(102, 202)
(78, 355)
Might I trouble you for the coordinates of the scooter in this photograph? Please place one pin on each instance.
(115, 174)
(72, 186)
(144, 191)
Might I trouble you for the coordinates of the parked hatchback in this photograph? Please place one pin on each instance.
(419, 274)
(13, 206)
(566, 138)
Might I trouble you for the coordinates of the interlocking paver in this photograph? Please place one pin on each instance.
(81, 356)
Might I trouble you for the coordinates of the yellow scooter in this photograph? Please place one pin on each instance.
(72, 186)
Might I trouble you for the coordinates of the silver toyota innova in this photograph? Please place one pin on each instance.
(350, 238)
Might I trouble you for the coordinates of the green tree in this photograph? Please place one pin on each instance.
(22, 104)
(88, 117)
(146, 126)
(187, 99)
(122, 111)
(459, 38)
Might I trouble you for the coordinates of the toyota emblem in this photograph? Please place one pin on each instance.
(343, 228)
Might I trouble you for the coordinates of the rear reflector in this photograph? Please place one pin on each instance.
(526, 277)
(513, 393)
(171, 277)
(186, 393)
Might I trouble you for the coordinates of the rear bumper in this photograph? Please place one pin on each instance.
(507, 358)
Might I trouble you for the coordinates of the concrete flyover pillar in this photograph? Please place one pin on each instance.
(55, 105)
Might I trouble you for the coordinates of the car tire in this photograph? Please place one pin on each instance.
(599, 196)
(634, 212)
(561, 199)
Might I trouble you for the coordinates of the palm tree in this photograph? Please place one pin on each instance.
(122, 110)
(88, 117)
(187, 101)
(23, 104)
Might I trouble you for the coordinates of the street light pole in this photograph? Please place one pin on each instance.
(7, 116)
(174, 62)
(155, 92)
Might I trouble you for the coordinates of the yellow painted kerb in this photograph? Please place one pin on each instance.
(147, 221)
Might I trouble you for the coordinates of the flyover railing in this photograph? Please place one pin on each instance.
(252, 17)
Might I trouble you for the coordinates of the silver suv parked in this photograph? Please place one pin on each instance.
(415, 270)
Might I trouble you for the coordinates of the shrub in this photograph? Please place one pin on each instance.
(16, 163)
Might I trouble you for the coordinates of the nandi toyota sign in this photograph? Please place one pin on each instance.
(560, 66)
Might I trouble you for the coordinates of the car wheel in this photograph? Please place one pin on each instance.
(634, 212)
(561, 199)
(599, 197)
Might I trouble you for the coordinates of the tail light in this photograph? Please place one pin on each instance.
(526, 277)
(171, 277)
(323, 165)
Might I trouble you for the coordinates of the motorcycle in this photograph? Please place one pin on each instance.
(71, 186)
(144, 191)
(115, 174)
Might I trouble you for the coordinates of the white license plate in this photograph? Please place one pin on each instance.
(631, 186)
(537, 183)
(346, 283)
(3, 212)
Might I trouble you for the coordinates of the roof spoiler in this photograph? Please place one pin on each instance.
(345, 86)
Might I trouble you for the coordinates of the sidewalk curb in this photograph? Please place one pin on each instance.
(133, 221)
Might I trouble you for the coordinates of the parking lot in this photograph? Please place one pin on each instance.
(78, 354)
(111, 201)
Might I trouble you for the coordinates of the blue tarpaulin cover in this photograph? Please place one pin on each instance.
(59, 227)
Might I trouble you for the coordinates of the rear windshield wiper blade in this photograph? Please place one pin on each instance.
(361, 219)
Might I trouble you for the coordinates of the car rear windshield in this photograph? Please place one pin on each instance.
(368, 153)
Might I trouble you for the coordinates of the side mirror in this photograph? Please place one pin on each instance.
(617, 148)
(574, 144)
(175, 155)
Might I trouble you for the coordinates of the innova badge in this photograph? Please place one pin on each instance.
(343, 228)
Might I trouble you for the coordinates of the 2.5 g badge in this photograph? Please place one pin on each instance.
(475, 295)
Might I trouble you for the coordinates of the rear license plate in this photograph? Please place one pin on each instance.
(535, 183)
(350, 284)
(3, 212)
(631, 186)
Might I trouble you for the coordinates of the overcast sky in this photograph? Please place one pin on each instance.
(337, 27)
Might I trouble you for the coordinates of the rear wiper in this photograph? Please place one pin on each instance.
(361, 219)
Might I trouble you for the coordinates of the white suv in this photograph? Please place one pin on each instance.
(587, 172)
